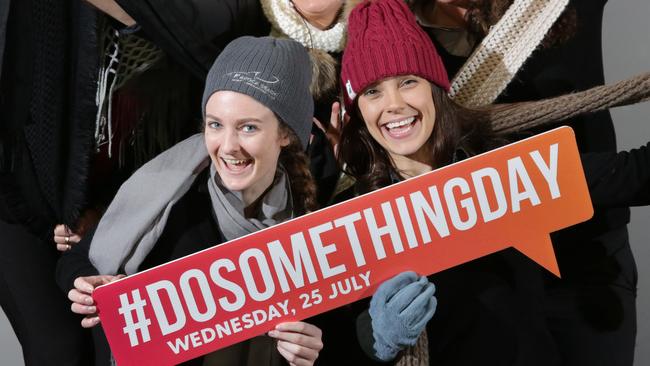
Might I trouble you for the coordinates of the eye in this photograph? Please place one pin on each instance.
(249, 128)
(409, 82)
(370, 92)
(213, 124)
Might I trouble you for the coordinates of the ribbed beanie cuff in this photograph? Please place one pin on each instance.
(275, 72)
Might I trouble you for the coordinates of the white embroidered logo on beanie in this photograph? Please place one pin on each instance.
(254, 79)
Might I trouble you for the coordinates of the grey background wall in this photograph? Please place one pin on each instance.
(626, 47)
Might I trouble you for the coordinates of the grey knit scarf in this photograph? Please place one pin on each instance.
(137, 215)
(228, 206)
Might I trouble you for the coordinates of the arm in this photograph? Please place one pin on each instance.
(111, 8)
(75, 263)
(78, 278)
(193, 32)
(618, 179)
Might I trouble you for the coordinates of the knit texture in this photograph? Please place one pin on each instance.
(384, 40)
(48, 105)
(417, 355)
(523, 116)
(503, 51)
(286, 20)
(274, 72)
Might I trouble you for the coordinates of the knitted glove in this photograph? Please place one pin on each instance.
(400, 309)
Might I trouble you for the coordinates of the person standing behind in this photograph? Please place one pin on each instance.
(46, 68)
(591, 311)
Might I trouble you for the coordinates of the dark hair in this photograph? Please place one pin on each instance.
(456, 128)
(295, 161)
(483, 14)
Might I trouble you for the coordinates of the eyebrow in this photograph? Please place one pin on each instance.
(240, 120)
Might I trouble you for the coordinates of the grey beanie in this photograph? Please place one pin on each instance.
(275, 72)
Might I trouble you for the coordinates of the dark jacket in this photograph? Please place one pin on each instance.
(47, 109)
(558, 69)
(594, 301)
(490, 311)
(193, 32)
(190, 228)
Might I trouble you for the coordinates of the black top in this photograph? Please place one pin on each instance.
(490, 310)
(194, 32)
(46, 125)
(555, 70)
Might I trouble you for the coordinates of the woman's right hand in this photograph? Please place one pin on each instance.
(81, 297)
(400, 310)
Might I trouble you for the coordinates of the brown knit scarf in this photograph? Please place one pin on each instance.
(417, 355)
(515, 117)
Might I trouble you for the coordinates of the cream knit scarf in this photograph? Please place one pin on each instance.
(283, 13)
(503, 51)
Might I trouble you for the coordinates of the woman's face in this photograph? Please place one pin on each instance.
(400, 115)
(320, 13)
(244, 141)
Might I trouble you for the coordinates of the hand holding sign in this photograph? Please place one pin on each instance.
(298, 342)
(400, 309)
(81, 297)
(511, 197)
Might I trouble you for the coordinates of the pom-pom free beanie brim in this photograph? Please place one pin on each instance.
(274, 72)
(385, 40)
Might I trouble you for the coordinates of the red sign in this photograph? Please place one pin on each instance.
(510, 197)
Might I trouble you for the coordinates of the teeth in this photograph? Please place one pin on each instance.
(235, 161)
(401, 123)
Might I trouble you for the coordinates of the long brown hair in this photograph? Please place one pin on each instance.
(456, 128)
(295, 161)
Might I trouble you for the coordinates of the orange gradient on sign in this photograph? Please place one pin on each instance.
(513, 196)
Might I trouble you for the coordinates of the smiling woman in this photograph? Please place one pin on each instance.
(400, 115)
(247, 171)
(402, 123)
(243, 146)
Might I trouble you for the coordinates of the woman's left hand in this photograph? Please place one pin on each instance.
(298, 342)
(65, 238)
(334, 129)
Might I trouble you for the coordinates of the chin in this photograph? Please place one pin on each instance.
(403, 151)
(406, 148)
(234, 184)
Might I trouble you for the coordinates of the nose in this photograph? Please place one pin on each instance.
(230, 143)
(394, 101)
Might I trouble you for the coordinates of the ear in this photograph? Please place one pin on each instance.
(284, 138)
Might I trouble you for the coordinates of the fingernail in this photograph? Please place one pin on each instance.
(273, 333)
(92, 309)
(89, 301)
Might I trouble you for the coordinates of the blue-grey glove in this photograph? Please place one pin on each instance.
(400, 310)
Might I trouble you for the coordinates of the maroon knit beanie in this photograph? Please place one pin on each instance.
(385, 40)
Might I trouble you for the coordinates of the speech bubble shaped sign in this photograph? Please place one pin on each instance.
(513, 196)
